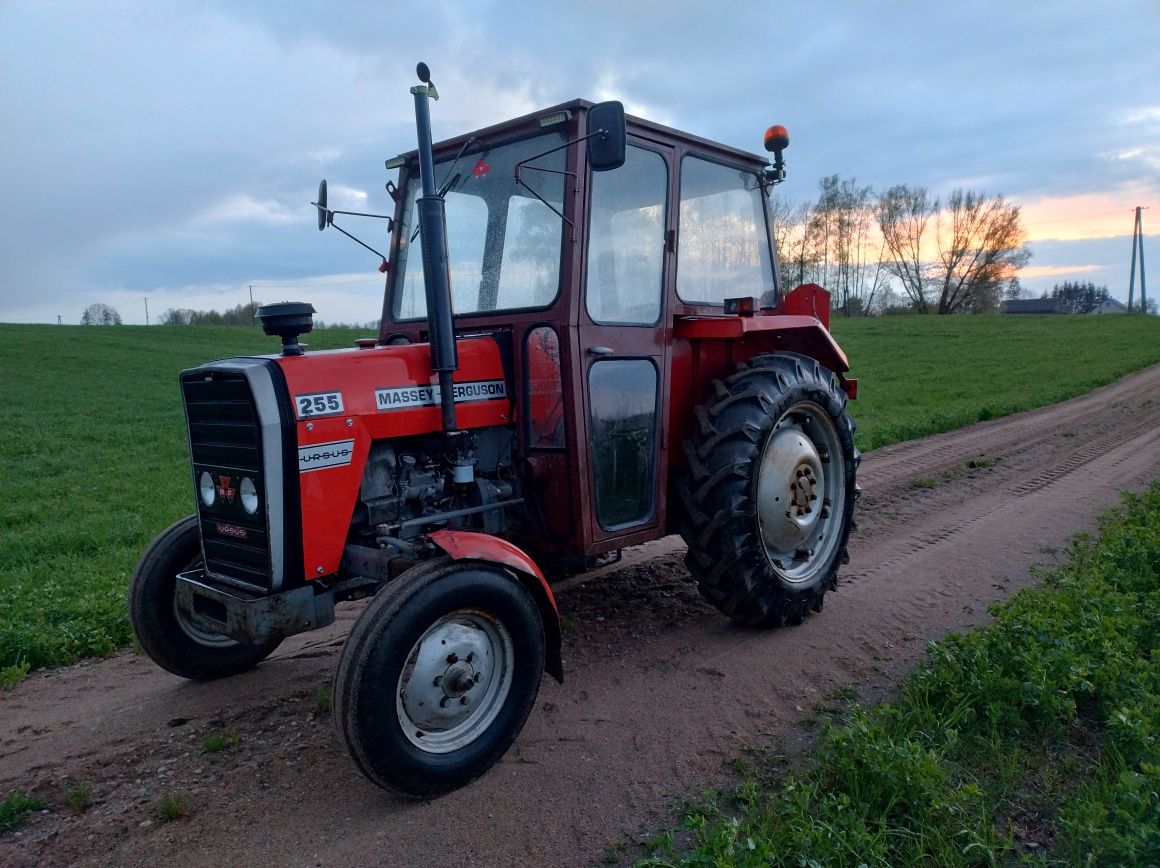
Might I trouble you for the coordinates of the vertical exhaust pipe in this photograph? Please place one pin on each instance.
(436, 265)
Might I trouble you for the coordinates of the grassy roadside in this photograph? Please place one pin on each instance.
(1033, 740)
(94, 461)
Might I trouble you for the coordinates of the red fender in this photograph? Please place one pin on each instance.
(463, 544)
(809, 299)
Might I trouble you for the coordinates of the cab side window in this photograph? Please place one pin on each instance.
(724, 249)
(626, 240)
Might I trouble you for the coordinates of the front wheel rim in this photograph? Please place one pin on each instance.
(455, 681)
(197, 634)
(801, 493)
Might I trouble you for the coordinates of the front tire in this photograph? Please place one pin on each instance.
(165, 635)
(770, 493)
(438, 676)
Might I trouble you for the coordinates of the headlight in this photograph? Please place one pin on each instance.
(249, 494)
(206, 489)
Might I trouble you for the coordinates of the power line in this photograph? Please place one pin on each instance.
(317, 283)
(1074, 219)
(252, 286)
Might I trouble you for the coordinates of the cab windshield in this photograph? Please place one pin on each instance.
(503, 243)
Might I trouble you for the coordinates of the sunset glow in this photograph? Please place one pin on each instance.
(1089, 215)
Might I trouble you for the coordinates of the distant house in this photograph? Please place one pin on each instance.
(1033, 305)
(1110, 306)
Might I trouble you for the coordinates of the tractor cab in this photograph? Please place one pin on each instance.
(597, 280)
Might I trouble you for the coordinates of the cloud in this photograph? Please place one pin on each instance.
(150, 146)
(1056, 270)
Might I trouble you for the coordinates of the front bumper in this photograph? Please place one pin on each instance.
(251, 618)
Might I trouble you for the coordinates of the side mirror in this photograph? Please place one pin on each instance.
(607, 136)
(321, 205)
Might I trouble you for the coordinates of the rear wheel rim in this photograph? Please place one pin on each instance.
(455, 681)
(801, 493)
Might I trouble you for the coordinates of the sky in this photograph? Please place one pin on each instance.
(169, 151)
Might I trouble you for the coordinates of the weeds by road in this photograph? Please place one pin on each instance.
(1034, 739)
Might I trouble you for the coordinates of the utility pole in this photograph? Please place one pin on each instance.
(146, 311)
(1138, 245)
(58, 322)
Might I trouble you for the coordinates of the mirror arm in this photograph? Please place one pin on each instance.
(520, 180)
(390, 220)
(519, 173)
(352, 238)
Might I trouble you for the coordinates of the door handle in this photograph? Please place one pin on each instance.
(601, 351)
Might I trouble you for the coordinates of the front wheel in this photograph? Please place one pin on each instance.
(769, 498)
(170, 640)
(438, 676)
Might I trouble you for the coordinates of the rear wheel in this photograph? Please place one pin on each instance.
(170, 640)
(770, 493)
(438, 676)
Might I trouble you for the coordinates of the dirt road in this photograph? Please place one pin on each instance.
(661, 692)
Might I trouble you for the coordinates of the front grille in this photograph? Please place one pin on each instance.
(225, 441)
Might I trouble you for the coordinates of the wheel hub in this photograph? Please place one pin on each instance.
(455, 681)
(802, 494)
(791, 475)
(458, 679)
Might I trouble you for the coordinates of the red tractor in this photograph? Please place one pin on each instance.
(590, 347)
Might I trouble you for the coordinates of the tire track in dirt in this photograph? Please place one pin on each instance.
(661, 693)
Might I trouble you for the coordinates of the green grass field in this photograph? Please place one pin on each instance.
(93, 461)
(922, 375)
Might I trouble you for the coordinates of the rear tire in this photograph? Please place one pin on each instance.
(169, 640)
(770, 492)
(438, 676)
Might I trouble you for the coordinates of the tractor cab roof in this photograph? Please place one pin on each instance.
(568, 117)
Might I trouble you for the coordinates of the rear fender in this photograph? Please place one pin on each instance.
(748, 336)
(467, 545)
(809, 299)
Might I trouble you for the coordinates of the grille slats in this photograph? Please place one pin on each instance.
(225, 454)
(226, 441)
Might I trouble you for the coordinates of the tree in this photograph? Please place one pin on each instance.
(243, 314)
(100, 314)
(177, 316)
(797, 252)
(1079, 297)
(903, 215)
(978, 253)
(829, 242)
